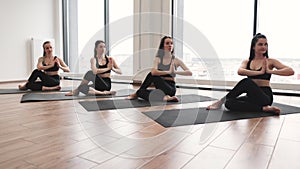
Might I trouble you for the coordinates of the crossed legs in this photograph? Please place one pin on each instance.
(100, 86)
(47, 82)
(168, 88)
(257, 98)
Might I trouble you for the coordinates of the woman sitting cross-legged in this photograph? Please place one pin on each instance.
(259, 68)
(102, 66)
(163, 74)
(47, 72)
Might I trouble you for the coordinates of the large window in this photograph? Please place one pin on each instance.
(93, 20)
(279, 21)
(90, 28)
(121, 34)
(228, 27)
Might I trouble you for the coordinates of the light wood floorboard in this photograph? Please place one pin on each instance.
(62, 134)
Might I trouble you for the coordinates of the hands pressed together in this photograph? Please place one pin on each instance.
(265, 67)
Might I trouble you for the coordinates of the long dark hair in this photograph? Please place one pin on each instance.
(253, 42)
(96, 44)
(161, 51)
(46, 42)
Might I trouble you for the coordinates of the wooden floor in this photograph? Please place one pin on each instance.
(62, 134)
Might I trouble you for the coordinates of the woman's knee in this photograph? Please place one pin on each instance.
(89, 76)
(36, 72)
(247, 81)
(84, 89)
(149, 75)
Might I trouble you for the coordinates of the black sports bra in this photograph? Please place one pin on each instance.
(103, 66)
(163, 67)
(265, 76)
(52, 69)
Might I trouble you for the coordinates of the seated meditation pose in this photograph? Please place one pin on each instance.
(47, 71)
(256, 87)
(99, 76)
(162, 75)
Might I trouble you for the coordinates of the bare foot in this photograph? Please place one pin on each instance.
(45, 88)
(132, 96)
(215, 105)
(113, 92)
(99, 93)
(109, 92)
(73, 93)
(171, 98)
(272, 109)
(22, 87)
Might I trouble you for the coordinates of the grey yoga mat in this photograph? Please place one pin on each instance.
(35, 97)
(123, 103)
(15, 90)
(191, 116)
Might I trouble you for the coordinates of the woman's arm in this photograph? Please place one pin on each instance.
(40, 65)
(185, 72)
(155, 71)
(114, 66)
(62, 65)
(280, 69)
(96, 70)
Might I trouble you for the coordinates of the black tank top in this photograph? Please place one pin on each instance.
(52, 69)
(103, 66)
(265, 76)
(163, 67)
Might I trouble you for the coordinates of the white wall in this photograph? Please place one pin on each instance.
(22, 20)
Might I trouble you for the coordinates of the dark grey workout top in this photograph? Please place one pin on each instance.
(163, 67)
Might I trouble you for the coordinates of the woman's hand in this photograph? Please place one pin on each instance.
(279, 69)
(268, 70)
(110, 64)
(172, 67)
(264, 66)
(61, 64)
(56, 60)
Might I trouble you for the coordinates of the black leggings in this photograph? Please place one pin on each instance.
(98, 83)
(46, 80)
(256, 97)
(167, 86)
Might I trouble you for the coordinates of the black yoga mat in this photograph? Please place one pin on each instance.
(123, 103)
(180, 117)
(36, 97)
(16, 91)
